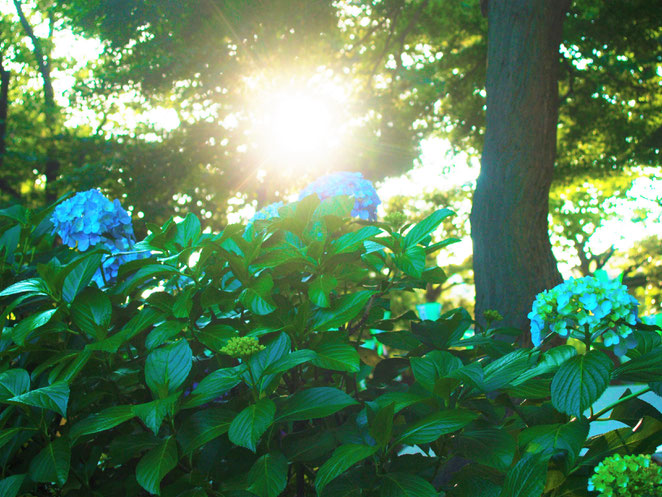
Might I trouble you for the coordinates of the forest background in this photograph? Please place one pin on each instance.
(220, 108)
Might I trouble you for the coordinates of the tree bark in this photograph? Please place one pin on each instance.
(5, 186)
(513, 258)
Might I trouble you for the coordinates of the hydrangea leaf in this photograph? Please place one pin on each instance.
(580, 381)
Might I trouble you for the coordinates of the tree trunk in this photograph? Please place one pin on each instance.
(52, 165)
(513, 258)
(4, 105)
(5, 186)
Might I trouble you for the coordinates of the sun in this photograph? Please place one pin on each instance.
(298, 125)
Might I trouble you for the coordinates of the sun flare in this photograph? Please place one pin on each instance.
(298, 126)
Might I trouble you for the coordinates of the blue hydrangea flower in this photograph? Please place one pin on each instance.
(267, 212)
(597, 304)
(352, 184)
(88, 219)
(121, 253)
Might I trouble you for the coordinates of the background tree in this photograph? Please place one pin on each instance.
(413, 69)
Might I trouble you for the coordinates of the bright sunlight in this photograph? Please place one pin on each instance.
(297, 125)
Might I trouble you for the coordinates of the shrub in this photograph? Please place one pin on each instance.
(234, 364)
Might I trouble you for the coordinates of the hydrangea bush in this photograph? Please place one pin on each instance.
(243, 371)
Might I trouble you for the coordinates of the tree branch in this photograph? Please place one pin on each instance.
(43, 61)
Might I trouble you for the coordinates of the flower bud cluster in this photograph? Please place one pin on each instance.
(89, 219)
(600, 306)
(627, 476)
(345, 183)
(242, 346)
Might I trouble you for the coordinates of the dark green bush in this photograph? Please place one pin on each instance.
(233, 364)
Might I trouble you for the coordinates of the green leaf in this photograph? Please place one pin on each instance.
(52, 463)
(167, 368)
(160, 271)
(435, 365)
(446, 330)
(269, 475)
(157, 463)
(337, 205)
(401, 340)
(647, 367)
(432, 427)
(204, 426)
(257, 297)
(400, 400)
(80, 276)
(34, 286)
(216, 336)
(153, 413)
(251, 423)
(507, 368)
(317, 402)
(439, 245)
(138, 323)
(337, 357)
(184, 303)
(320, 288)
(14, 382)
(91, 312)
(342, 311)
(569, 437)
(434, 275)
(162, 333)
(288, 361)
(342, 459)
(104, 420)
(405, 485)
(258, 363)
(412, 261)
(8, 435)
(188, 231)
(353, 240)
(488, 446)
(580, 381)
(426, 227)
(527, 477)
(54, 397)
(214, 385)
(380, 423)
(9, 243)
(18, 213)
(21, 331)
(10, 486)
(550, 362)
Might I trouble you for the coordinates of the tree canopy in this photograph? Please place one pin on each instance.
(164, 104)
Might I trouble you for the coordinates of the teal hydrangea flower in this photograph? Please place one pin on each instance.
(345, 183)
(627, 476)
(600, 305)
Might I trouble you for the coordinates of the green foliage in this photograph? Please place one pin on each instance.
(248, 372)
